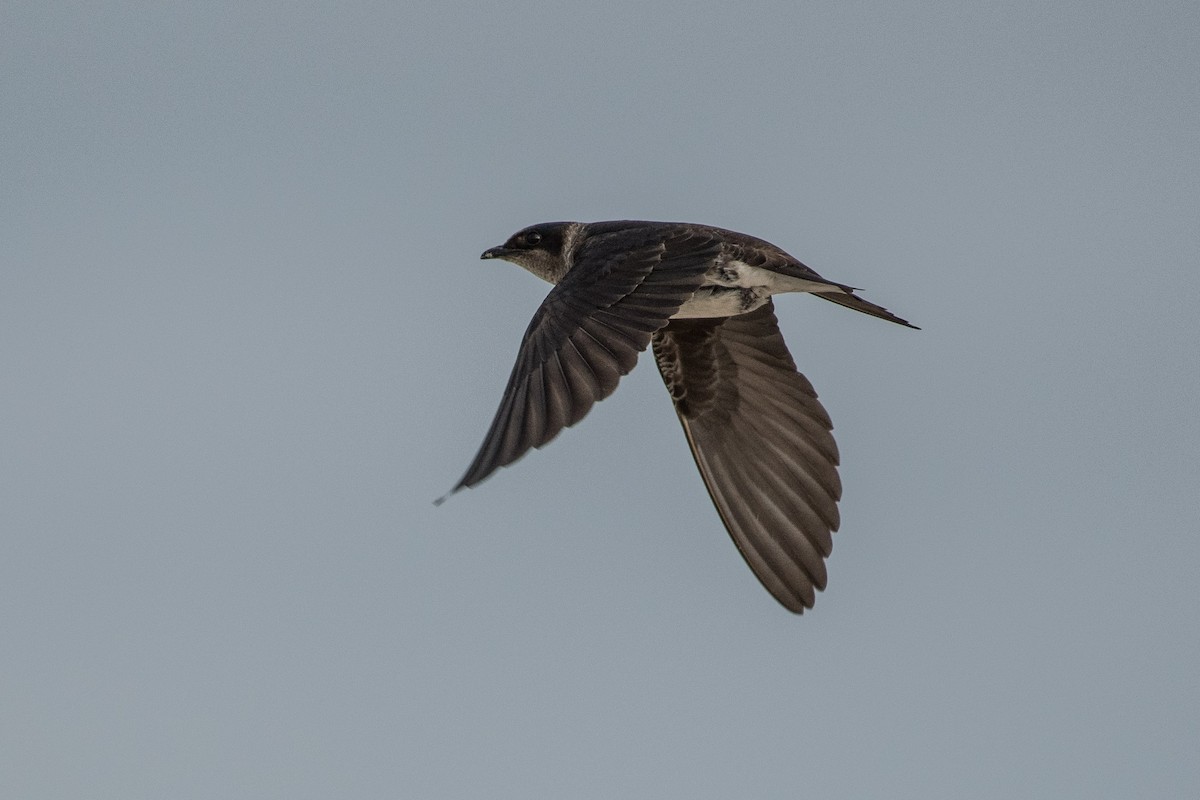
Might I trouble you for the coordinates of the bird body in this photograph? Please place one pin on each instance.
(701, 297)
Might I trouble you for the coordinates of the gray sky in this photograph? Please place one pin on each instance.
(245, 340)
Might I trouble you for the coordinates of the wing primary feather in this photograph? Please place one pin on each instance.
(739, 485)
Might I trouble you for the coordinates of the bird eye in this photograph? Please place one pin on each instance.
(532, 238)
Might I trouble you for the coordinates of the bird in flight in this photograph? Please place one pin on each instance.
(701, 298)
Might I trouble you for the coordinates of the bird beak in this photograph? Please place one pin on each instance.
(494, 252)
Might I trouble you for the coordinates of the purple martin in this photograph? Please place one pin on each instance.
(701, 297)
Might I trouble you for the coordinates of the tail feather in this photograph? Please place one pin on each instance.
(849, 300)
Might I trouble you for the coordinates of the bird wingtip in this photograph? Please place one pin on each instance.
(446, 496)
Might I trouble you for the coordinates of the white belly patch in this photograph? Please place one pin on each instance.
(737, 273)
(719, 301)
(737, 288)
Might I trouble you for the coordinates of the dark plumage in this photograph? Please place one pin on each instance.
(702, 297)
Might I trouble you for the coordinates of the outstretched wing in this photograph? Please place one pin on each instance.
(588, 332)
(762, 442)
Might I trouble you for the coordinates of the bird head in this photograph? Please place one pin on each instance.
(542, 249)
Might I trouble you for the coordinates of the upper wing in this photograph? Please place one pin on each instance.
(588, 332)
(762, 442)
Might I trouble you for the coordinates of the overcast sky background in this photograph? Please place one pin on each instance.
(245, 340)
